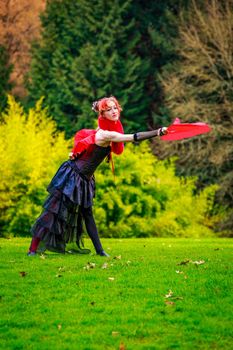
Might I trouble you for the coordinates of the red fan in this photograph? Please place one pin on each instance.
(179, 131)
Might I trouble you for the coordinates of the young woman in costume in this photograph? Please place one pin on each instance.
(71, 190)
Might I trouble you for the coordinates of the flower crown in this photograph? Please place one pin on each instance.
(95, 106)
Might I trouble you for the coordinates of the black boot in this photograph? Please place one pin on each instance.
(103, 253)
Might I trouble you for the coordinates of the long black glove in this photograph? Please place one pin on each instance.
(144, 135)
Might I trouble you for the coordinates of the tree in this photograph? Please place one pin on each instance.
(87, 52)
(157, 23)
(200, 89)
(19, 25)
(5, 70)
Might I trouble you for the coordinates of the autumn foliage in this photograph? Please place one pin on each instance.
(19, 25)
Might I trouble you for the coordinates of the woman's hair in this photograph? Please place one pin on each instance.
(101, 105)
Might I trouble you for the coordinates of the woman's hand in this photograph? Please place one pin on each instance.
(163, 131)
(71, 156)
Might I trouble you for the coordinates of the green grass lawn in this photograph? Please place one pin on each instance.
(151, 294)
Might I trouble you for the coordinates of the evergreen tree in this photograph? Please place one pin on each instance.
(5, 71)
(87, 52)
(158, 25)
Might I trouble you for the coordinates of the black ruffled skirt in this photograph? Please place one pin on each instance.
(61, 221)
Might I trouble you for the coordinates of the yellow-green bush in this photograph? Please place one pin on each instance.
(30, 151)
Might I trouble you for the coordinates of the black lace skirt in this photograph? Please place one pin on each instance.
(61, 221)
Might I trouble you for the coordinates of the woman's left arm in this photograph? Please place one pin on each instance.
(103, 136)
(112, 136)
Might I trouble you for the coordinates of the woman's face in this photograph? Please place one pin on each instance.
(112, 112)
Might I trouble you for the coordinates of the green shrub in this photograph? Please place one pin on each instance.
(148, 199)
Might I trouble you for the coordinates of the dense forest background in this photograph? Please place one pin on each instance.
(162, 60)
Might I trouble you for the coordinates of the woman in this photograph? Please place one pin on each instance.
(71, 191)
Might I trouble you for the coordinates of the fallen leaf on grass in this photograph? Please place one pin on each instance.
(111, 278)
(23, 273)
(42, 256)
(89, 266)
(117, 257)
(115, 333)
(169, 295)
(197, 262)
(172, 296)
(61, 269)
(200, 262)
(181, 273)
(104, 266)
(122, 346)
(59, 326)
(185, 262)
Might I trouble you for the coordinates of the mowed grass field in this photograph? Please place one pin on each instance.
(150, 294)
